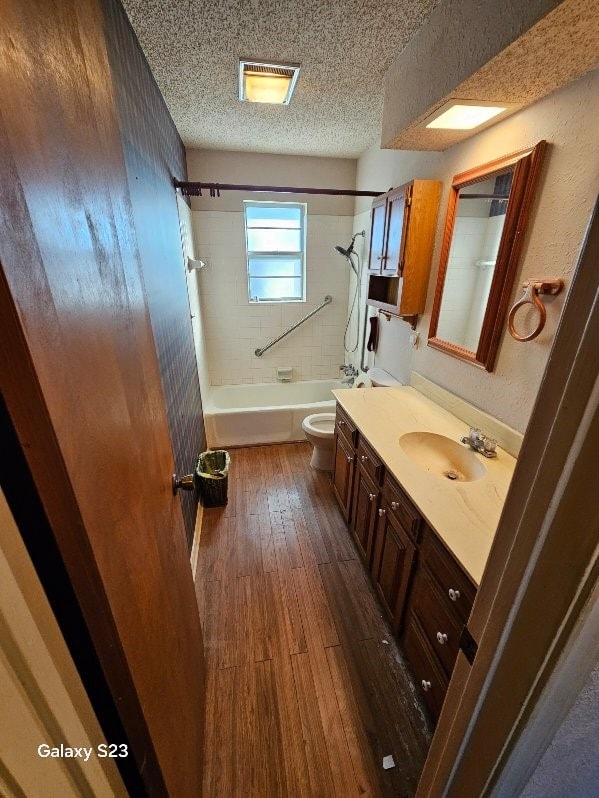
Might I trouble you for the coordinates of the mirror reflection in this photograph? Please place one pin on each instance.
(487, 213)
(478, 227)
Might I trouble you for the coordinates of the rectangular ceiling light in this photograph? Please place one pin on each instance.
(465, 114)
(260, 82)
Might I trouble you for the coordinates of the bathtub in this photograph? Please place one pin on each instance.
(245, 415)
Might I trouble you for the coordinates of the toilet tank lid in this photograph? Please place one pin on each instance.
(381, 378)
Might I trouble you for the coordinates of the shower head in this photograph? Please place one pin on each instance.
(347, 252)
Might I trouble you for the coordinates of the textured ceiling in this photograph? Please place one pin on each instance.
(555, 51)
(344, 48)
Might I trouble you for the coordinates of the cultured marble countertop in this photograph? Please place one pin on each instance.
(464, 514)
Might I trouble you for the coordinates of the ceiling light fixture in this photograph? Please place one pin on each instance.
(466, 114)
(260, 82)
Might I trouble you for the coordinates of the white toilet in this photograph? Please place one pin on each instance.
(382, 379)
(319, 429)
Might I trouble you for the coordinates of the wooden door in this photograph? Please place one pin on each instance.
(396, 230)
(377, 234)
(392, 565)
(79, 375)
(365, 505)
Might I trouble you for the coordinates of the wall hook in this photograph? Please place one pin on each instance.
(532, 289)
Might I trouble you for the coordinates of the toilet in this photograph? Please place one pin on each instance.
(319, 429)
(382, 379)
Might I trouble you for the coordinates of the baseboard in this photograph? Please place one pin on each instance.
(195, 546)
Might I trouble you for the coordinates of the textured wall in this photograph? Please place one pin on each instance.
(566, 193)
(570, 766)
(154, 155)
(273, 170)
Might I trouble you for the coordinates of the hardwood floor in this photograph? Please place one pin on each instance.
(306, 688)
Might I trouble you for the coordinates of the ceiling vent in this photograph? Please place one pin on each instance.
(261, 82)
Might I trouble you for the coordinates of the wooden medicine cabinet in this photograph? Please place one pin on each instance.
(402, 232)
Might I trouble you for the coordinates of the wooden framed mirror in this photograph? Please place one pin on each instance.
(486, 220)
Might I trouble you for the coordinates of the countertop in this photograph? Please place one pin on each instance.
(464, 514)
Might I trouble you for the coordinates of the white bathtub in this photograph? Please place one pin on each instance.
(243, 415)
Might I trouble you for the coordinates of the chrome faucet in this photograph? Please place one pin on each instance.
(351, 372)
(480, 443)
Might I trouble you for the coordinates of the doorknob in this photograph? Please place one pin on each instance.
(185, 483)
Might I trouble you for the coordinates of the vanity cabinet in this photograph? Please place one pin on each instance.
(402, 232)
(440, 602)
(423, 590)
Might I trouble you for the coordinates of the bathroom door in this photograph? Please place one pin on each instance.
(80, 379)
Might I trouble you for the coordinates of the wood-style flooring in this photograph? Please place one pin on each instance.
(306, 689)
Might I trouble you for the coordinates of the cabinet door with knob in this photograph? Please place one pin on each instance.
(346, 436)
(365, 506)
(343, 474)
(397, 212)
(378, 229)
(387, 240)
(392, 563)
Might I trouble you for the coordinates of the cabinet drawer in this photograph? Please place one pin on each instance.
(346, 427)
(440, 626)
(398, 504)
(369, 461)
(454, 586)
(430, 680)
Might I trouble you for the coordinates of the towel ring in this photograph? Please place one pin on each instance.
(532, 289)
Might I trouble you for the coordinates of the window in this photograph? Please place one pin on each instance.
(275, 234)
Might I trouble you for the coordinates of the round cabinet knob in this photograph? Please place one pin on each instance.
(348, 458)
(371, 497)
(363, 458)
(381, 511)
(453, 594)
(441, 638)
(341, 423)
(394, 505)
(426, 686)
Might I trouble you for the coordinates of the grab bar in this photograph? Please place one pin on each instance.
(327, 301)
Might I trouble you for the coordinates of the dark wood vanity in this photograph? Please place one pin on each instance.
(423, 591)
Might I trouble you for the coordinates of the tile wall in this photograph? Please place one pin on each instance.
(234, 328)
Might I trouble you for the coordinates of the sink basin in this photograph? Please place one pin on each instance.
(442, 456)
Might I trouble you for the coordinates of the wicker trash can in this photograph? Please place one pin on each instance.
(212, 472)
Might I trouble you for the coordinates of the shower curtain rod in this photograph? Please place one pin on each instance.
(190, 189)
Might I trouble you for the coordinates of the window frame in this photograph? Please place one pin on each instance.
(277, 255)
